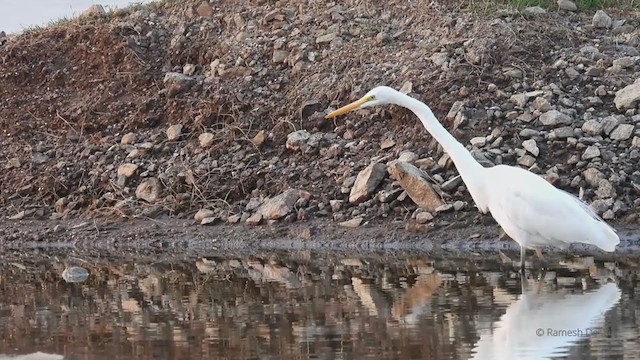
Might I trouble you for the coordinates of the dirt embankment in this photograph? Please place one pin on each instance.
(159, 112)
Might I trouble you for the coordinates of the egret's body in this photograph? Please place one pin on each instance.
(529, 209)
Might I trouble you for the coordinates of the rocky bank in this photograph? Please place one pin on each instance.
(213, 111)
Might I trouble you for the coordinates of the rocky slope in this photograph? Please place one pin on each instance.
(214, 111)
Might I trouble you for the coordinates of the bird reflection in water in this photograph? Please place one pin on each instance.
(544, 324)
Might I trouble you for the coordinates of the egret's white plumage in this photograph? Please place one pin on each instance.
(529, 209)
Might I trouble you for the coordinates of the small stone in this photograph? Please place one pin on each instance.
(534, 11)
(297, 139)
(592, 127)
(39, 158)
(567, 5)
(451, 184)
(608, 215)
(416, 186)
(204, 9)
(206, 139)
(593, 176)
(279, 56)
(202, 214)
(127, 170)
(149, 190)
(408, 156)
(233, 219)
(128, 138)
(628, 96)
(601, 20)
(635, 142)
(366, 182)
(527, 160)
(563, 132)
(279, 206)
(541, 104)
(591, 152)
(353, 223)
(622, 132)
(209, 220)
(459, 205)
(479, 141)
(254, 219)
(336, 205)
(531, 146)
(605, 190)
(176, 83)
(387, 143)
(259, 138)
(519, 99)
(326, 38)
(423, 217)
(174, 132)
(554, 117)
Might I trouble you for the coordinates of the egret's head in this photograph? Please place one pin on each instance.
(377, 96)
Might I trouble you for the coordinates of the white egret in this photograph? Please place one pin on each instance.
(529, 209)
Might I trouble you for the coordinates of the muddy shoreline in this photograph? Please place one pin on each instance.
(171, 237)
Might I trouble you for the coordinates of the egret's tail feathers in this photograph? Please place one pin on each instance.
(607, 239)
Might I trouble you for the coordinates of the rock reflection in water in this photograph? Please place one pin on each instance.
(308, 306)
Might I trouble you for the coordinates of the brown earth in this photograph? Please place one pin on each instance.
(71, 91)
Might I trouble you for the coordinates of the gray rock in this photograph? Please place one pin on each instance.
(279, 56)
(528, 133)
(353, 223)
(605, 190)
(149, 190)
(451, 184)
(297, 139)
(622, 132)
(279, 206)
(554, 117)
(592, 127)
(127, 170)
(628, 96)
(567, 5)
(624, 62)
(520, 99)
(563, 132)
(176, 82)
(416, 186)
(254, 219)
(366, 182)
(526, 161)
(408, 156)
(541, 104)
(203, 214)
(479, 141)
(128, 138)
(593, 176)
(327, 38)
(531, 146)
(611, 122)
(591, 152)
(534, 11)
(206, 139)
(601, 20)
(601, 205)
(174, 132)
(423, 217)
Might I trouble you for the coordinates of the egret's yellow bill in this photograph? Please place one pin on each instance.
(347, 108)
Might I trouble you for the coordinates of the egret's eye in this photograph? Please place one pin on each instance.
(372, 97)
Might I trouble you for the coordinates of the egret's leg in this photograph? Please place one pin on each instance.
(522, 252)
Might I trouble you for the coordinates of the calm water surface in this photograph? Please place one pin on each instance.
(16, 15)
(314, 306)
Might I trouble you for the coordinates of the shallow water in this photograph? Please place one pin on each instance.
(308, 305)
(15, 15)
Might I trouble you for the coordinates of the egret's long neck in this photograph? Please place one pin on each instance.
(470, 170)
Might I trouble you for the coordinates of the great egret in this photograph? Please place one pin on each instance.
(529, 209)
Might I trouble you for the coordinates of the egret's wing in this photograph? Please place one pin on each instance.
(588, 209)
